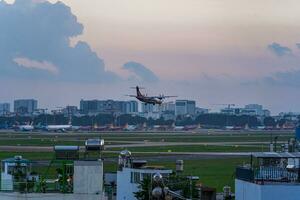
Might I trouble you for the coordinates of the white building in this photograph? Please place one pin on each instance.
(271, 176)
(131, 107)
(131, 173)
(25, 106)
(250, 109)
(168, 106)
(185, 107)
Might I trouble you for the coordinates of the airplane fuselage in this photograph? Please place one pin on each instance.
(149, 100)
(26, 128)
(58, 127)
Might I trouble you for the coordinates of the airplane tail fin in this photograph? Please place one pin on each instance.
(70, 120)
(138, 92)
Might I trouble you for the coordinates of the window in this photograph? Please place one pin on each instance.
(135, 177)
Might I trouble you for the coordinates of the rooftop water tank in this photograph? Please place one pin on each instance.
(94, 144)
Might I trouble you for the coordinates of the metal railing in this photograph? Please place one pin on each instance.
(275, 174)
(267, 174)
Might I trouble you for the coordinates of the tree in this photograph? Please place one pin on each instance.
(144, 189)
(269, 121)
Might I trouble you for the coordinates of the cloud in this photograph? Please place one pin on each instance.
(288, 78)
(41, 33)
(279, 50)
(33, 64)
(140, 71)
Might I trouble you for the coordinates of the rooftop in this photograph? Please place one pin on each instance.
(276, 155)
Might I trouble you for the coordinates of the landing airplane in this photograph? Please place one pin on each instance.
(151, 99)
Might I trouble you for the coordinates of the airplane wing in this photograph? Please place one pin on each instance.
(128, 95)
(163, 97)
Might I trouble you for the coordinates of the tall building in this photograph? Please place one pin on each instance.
(70, 110)
(255, 108)
(25, 106)
(168, 106)
(108, 106)
(185, 107)
(4, 108)
(89, 106)
(147, 108)
(131, 107)
(250, 109)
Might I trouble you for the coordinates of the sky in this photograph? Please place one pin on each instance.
(215, 52)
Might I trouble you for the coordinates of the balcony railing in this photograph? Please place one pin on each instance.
(268, 174)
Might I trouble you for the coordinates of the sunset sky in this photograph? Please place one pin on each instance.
(234, 51)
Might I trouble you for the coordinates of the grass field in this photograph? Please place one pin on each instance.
(39, 139)
(214, 172)
(196, 148)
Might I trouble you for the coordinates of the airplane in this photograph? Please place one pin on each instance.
(149, 99)
(56, 128)
(59, 128)
(25, 127)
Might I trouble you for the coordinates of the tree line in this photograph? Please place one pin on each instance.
(211, 119)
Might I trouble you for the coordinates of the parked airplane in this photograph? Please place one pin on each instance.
(149, 99)
(57, 128)
(26, 127)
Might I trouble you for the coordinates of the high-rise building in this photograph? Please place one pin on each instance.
(250, 109)
(168, 106)
(108, 106)
(131, 107)
(185, 107)
(4, 108)
(25, 106)
(256, 109)
(146, 107)
(70, 110)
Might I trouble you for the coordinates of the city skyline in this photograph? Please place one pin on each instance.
(210, 51)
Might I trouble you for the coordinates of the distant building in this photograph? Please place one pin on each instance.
(70, 110)
(185, 107)
(255, 108)
(200, 111)
(250, 109)
(153, 115)
(4, 108)
(131, 107)
(168, 106)
(146, 108)
(25, 106)
(92, 107)
(292, 116)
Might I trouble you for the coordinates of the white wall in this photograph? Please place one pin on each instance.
(249, 191)
(88, 177)
(125, 189)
